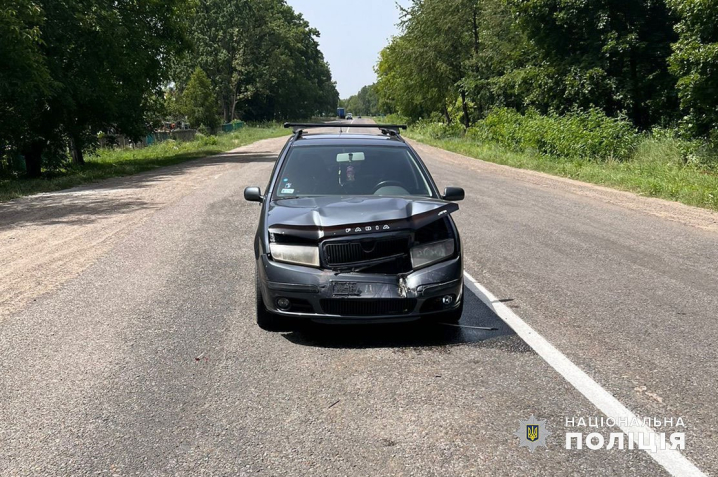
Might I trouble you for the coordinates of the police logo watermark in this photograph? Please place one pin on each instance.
(532, 433)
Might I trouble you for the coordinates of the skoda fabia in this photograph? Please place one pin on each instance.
(353, 229)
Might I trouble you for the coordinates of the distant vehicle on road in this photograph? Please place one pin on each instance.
(359, 117)
(340, 113)
(349, 116)
(354, 229)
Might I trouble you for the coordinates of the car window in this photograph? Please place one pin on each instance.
(351, 170)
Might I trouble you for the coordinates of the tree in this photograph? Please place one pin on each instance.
(262, 59)
(219, 33)
(604, 53)
(290, 77)
(495, 74)
(199, 103)
(103, 62)
(695, 62)
(110, 58)
(365, 102)
(424, 67)
(406, 88)
(24, 78)
(549, 55)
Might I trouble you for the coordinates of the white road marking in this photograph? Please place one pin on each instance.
(670, 459)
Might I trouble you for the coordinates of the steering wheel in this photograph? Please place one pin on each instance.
(388, 184)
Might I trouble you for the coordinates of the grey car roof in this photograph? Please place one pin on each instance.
(343, 139)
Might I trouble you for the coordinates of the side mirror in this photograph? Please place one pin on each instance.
(452, 193)
(253, 194)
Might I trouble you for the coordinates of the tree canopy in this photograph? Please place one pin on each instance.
(652, 61)
(24, 76)
(695, 62)
(91, 64)
(262, 58)
(198, 102)
(365, 102)
(74, 68)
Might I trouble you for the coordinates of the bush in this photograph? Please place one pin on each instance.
(203, 130)
(199, 102)
(393, 119)
(438, 130)
(681, 148)
(577, 135)
(206, 140)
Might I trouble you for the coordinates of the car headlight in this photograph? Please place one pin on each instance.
(299, 254)
(426, 254)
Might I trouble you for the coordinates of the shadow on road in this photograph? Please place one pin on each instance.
(88, 203)
(416, 334)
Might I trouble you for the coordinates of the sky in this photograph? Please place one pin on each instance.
(353, 32)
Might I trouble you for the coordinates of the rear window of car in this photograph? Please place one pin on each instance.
(351, 170)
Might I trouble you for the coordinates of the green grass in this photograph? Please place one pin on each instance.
(655, 169)
(106, 163)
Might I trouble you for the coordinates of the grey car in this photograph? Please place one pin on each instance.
(354, 230)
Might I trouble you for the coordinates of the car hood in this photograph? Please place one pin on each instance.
(318, 217)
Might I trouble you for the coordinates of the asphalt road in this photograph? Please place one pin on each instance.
(139, 354)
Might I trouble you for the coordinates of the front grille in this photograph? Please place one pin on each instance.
(368, 307)
(345, 252)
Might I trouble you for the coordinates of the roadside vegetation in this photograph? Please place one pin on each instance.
(105, 163)
(77, 71)
(364, 103)
(609, 153)
(613, 93)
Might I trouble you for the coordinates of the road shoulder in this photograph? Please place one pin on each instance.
(52, 237)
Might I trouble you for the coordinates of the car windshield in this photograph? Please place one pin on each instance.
(351, 170)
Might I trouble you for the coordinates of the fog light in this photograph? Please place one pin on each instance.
(447, 300)
(283, 303)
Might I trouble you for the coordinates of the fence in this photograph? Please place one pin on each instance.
(121, 141)
(233, 126)
(118, 140)
(11, 161)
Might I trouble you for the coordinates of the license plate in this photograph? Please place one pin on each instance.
(373, 290)
(345, 288)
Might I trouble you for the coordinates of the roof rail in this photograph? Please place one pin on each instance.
(390, 129)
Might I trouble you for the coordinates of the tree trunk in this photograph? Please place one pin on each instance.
(33, 158)
(76, 150)
(226, 109)
(465, 109)
(475, 31)
(234, 106)
(638, 115)
(447, 115)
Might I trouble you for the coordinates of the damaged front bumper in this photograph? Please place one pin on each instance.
(328, 296)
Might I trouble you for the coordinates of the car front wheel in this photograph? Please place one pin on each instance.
(265, 319)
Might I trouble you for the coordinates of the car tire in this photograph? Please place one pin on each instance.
(265, 319)
(452, 316)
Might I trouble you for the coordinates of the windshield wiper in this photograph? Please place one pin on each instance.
(294, 197)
